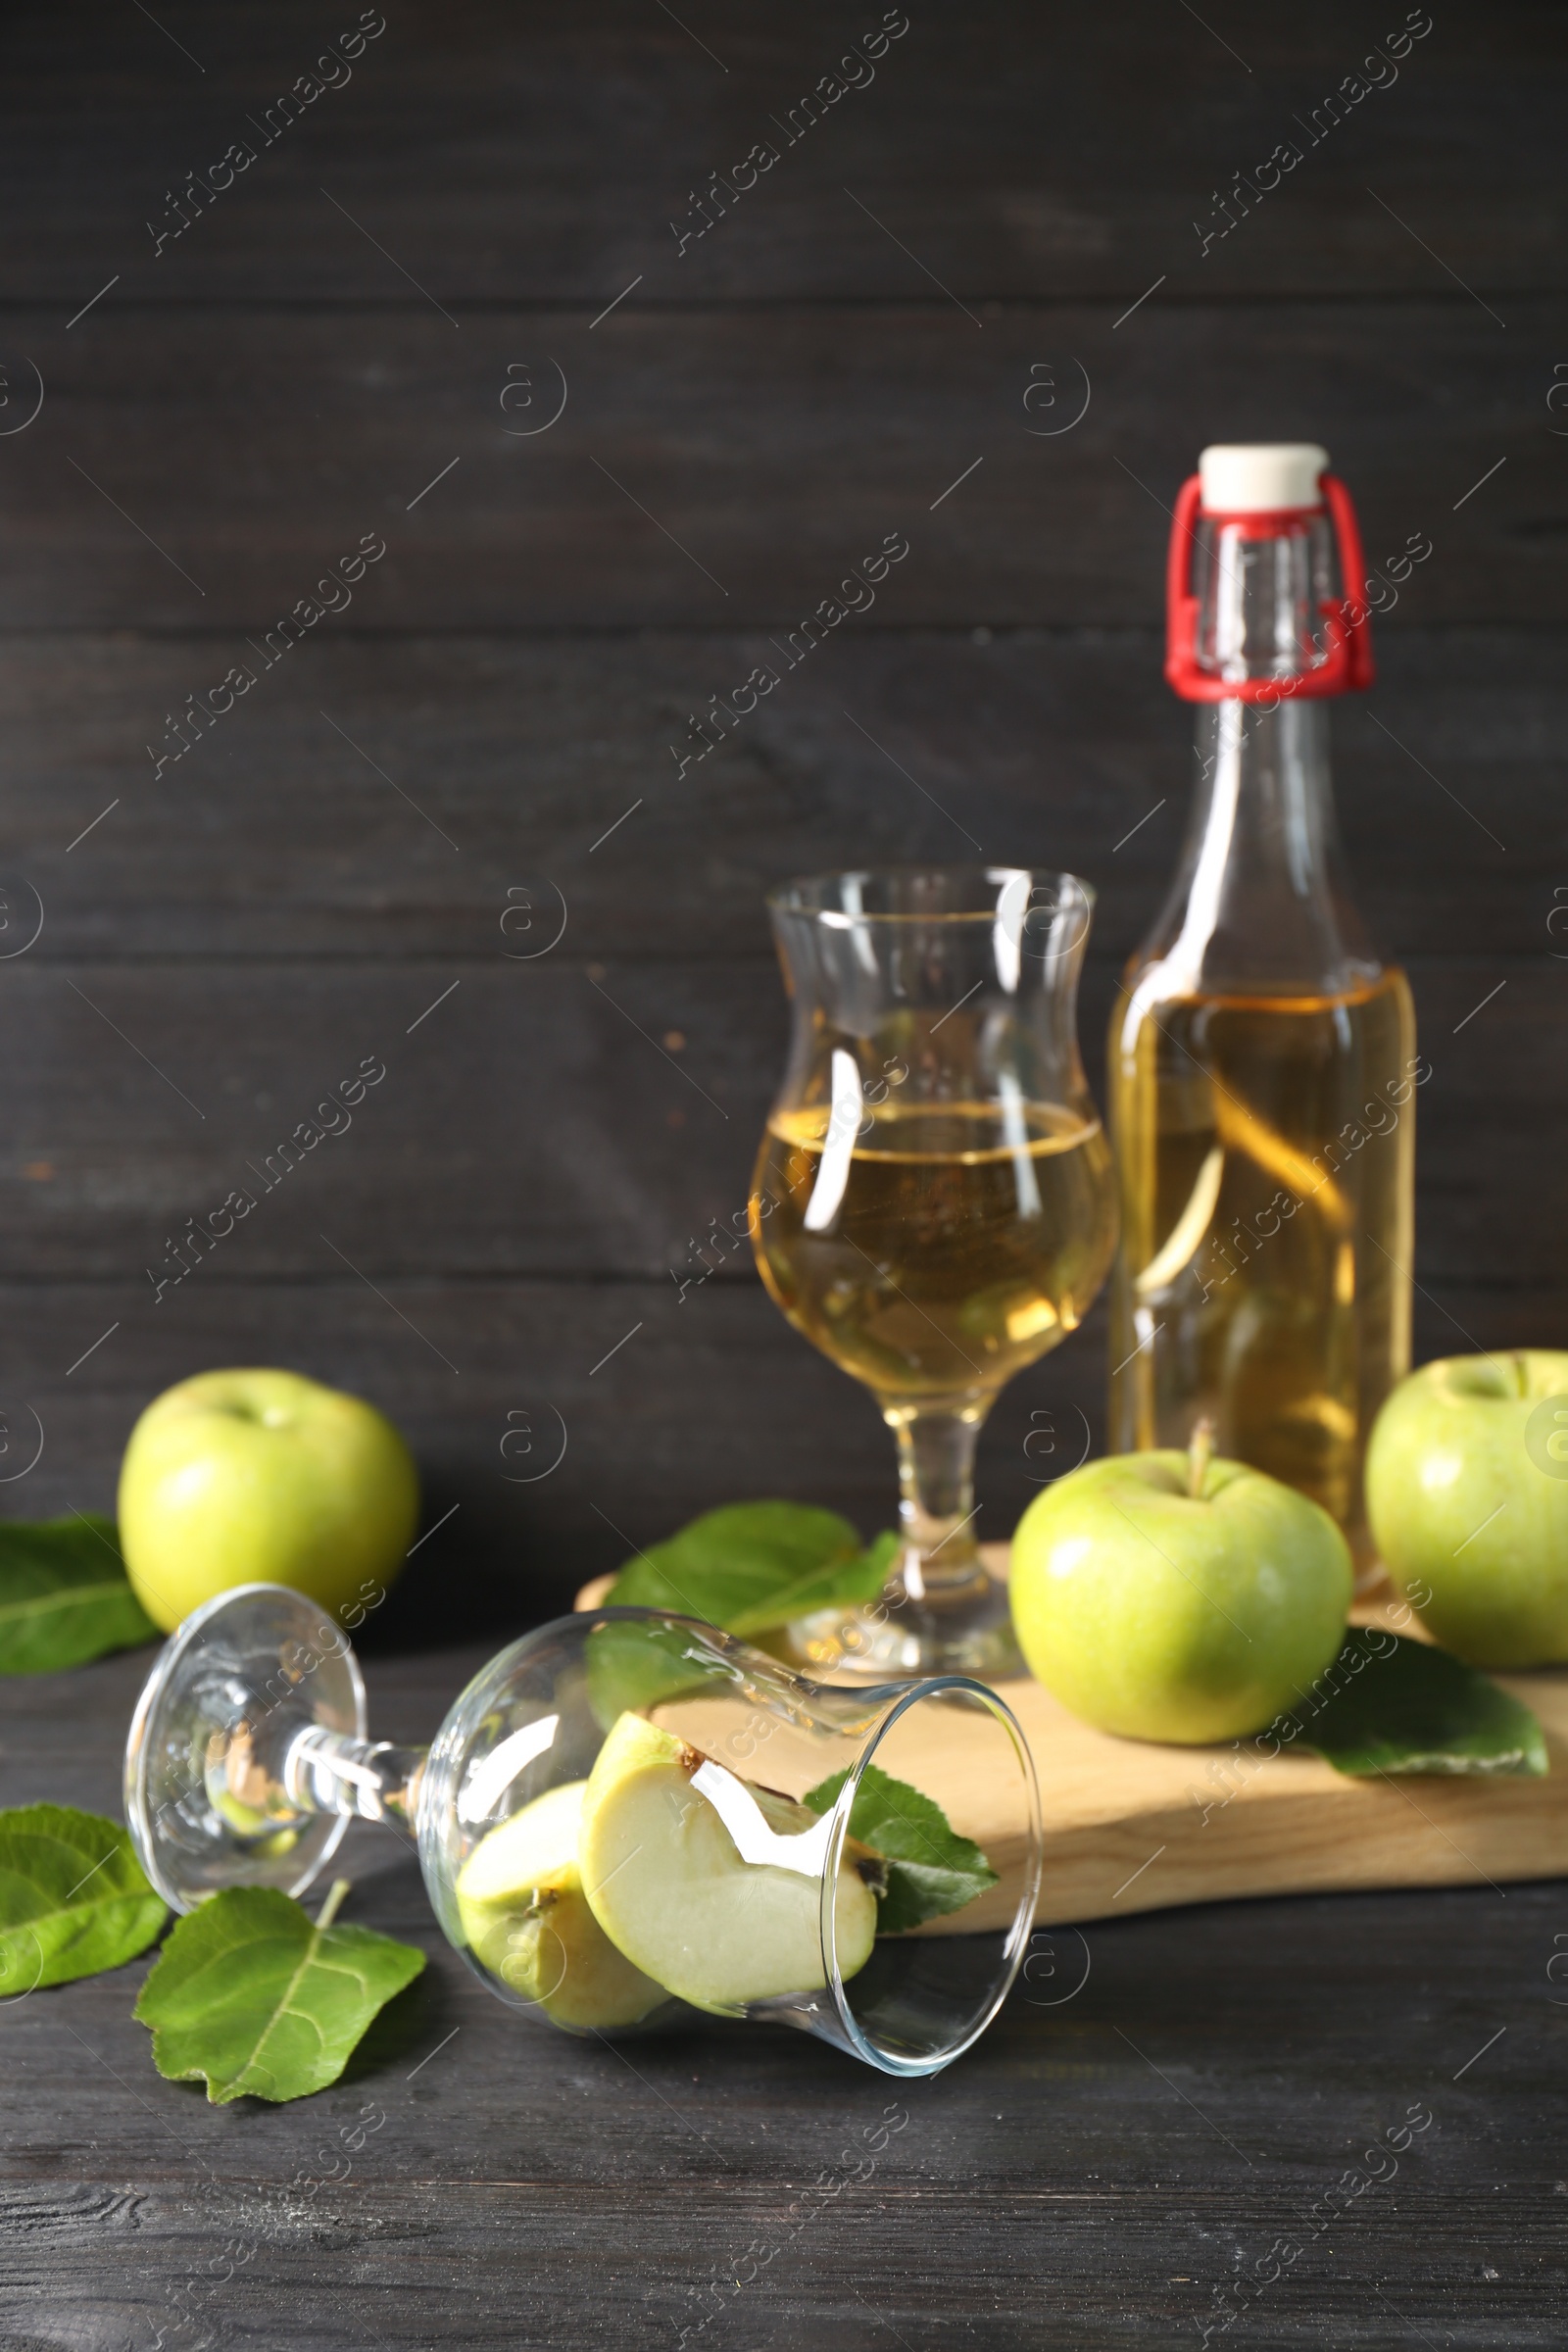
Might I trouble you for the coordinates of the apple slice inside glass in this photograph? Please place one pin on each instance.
(713, 1887)
(525, 1916)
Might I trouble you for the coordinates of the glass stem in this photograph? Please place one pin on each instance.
(936, 1492)
(278, 1770)
(326, 1772)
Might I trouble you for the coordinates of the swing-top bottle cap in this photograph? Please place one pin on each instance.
(1254, 627)
(1260, 477)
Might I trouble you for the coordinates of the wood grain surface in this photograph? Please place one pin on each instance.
(1163, 2099)
(460, 785)
(824, 430)
(276, 838)
(520, 156)
(1134, 1825)
(365, 855)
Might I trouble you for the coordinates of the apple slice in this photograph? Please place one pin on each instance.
(523, 1911)
(690, 1873)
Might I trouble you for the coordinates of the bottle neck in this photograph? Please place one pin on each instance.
(1261, 588)
(1258, 903)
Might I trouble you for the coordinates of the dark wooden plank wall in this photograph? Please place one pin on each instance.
(333, 331)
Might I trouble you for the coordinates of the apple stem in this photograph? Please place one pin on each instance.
(329, 1909)
(1200, 1447)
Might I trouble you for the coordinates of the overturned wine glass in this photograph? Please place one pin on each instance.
(625, 1817)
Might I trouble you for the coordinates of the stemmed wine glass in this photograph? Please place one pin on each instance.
(933, 1202)
(625, 1817)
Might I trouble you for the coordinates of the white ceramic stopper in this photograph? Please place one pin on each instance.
(1251, 478)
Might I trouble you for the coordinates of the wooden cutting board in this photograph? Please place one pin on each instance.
(1133, 1826)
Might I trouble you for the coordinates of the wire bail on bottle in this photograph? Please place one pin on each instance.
(1341, 663)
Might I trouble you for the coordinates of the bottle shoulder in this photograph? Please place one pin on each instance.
(1150, 975)
(1379, 992)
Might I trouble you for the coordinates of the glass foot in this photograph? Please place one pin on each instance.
(962, 1627)
(204, 1794)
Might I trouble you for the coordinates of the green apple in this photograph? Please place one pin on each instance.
(1467, 1494)
(663, 1869)
(1171, 1596)
(525, 1916)
(240, 1478)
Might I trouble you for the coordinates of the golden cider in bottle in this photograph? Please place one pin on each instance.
(1262, 1069)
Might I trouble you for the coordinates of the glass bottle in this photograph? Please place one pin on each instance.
(1262, 1065)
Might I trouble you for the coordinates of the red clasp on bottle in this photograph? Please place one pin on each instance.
(1346, 665)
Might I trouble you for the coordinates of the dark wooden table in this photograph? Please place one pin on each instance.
(372, 852)
(1164, 2107)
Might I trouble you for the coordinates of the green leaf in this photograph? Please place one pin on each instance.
(64, 1596)
(852, 1584)
(632, 1667)
(751, 1566)
(72, 1898)
(1394, 1706)
(253, 1997)
(931, 1869)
